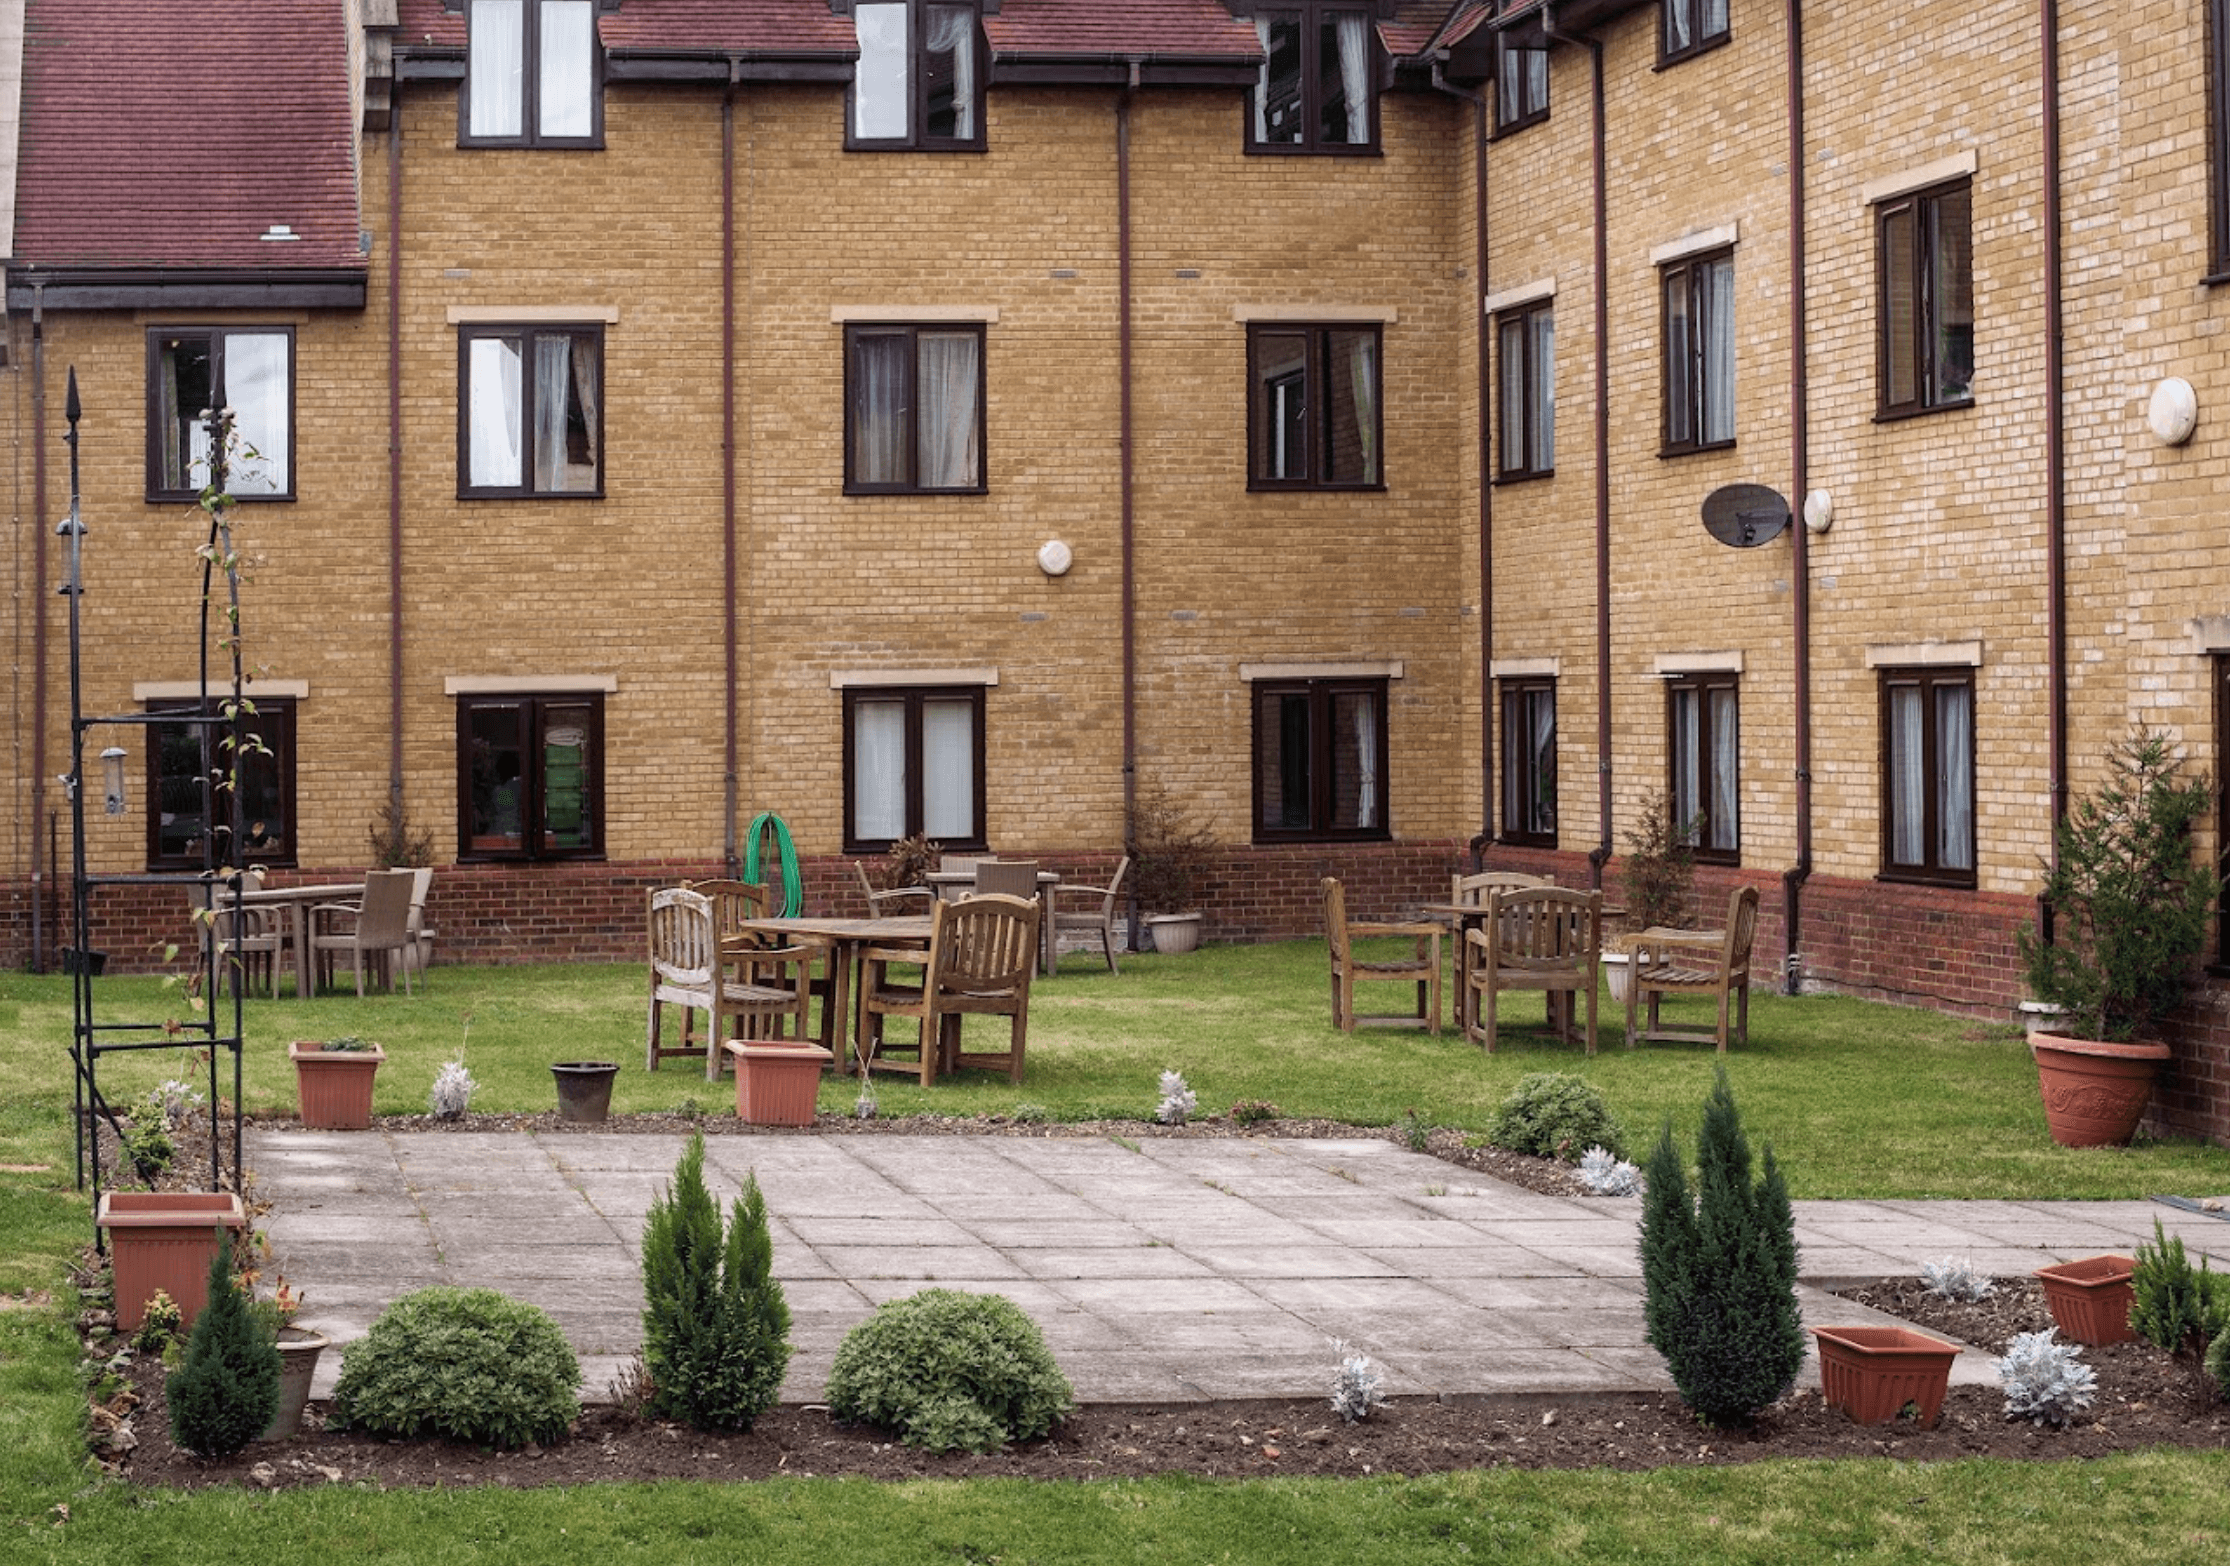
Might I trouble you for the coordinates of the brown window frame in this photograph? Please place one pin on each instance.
(2218, 141)
(1311, 16)
(1529, 411)
(1515, 105)
(2221, 673)
(528, 334)
(534, 707)
(912, 332)
(915, 698)
(1922, 329)
(273, 724)
(530, 87)
(159, 341)
(919, 85)
(1521, 796)
(1692, 806)
(1319, 762)
(1929, 869)
(1693, 395)
(1699, 42)
(1318, 448)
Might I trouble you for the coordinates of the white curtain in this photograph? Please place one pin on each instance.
(1510, 344)
(1718, 378)
(1544, 762)
(1714, 17)
(1544, 395)
(256, 389)
(880, 91)
(567, 106)
(1726, 820)
(1355, 74)
(1687, 767)
(1679, 28)
(946, 385)
(952, 30)
(1363, 369)
(879, 412)
(1955, 761)
(496, 45)
(553, 382)
(948, 766)
(497, 457)
(879, 769)
(1908, 799)
(1262, 83)
(1366, 764)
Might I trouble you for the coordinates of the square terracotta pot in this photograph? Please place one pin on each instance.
(1871, 1373)
(333, 1086)
(778, 1081)
(2090, 1298)
(165, 1240)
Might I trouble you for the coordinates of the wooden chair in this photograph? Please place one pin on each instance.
(378, 928)
(733, 902)
(687, 969)
(1697, 962)
(1471, 891)
(1423, 968)
(1534, 938)
(1015, 878)
(894, 901)
(1094, 915)
(982, 952)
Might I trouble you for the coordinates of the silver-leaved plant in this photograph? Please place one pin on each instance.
(2046, 1383)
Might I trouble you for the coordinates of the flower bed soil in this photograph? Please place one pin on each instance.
(2144, 1399)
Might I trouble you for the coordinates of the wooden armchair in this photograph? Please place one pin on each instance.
(688, 969)
(1093, 913)
(1697, 962)
(1422, 968)
(1470, 891)
(1534, 938)
(982, 953)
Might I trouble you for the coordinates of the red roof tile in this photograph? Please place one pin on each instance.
(164, 135)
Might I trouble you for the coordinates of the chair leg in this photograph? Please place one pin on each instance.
(650, 1049)
(1722, 1018)
(1591, 1019)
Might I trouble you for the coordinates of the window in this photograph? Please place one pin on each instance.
(1521, 85)
(531, 410)
(1926, 306)
(1529, 762)
(532, 75)
(1315, 417)
(1313, 91)
(913, 763)
(920, 77)
(1525, 339)
(913, 410)
(1703, 746)
(1928, 775)
(188, 765)
(193, 369)
(1319, 759)
(530, 777)
(1690, 27)
(2218, 134)
(1699, 353)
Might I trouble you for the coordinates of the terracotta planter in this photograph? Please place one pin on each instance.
(1175, 933)
(299, 1348)
(1871, 1373)
(165, 1240)
(2094, 1092)
(777, 1080)
(334, 1087)
(584, 1089)
(2090, 1298)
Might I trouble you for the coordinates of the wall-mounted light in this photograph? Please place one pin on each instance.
(1819, 511)
(112, 780)
(1055, 557)
(2173, 412)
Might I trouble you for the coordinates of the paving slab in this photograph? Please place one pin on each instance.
(1178, 1271)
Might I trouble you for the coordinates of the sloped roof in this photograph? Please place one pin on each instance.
(164, 135)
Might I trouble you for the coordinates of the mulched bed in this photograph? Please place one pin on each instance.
(2144, 1400)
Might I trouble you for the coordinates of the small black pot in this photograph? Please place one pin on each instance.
(584, 1089)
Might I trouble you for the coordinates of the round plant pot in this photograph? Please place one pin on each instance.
(334, 1086)
(1175, 934)
(299, 1348)
(1618, 972)
(584, 1089)
(1872, 1373)
(2090, 1298)
(778, 1081)
(2094, 1092)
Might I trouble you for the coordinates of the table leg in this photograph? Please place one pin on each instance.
(305, 963)
(836, 1026)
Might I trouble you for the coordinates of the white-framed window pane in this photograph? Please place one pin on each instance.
(256, 389)
(948, 749)
(567, 79)
(497, 454)
(879, 87)
(496, 45)
(879, 769)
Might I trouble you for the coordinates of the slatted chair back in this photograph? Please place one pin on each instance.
(1534, 938)
(1471, 890)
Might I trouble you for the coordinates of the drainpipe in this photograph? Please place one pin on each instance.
(1800, 568)
(2055, 457)
(728, 452)
(395, 453)
(1478, 102)
(1600, 854)
(39, 868)
(1125, 448)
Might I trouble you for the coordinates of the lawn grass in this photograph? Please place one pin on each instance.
(1859, 1100)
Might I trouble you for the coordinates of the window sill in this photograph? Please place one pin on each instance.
(192, 497)
(525, 144)
(1517, 125)
(935, 147)
(1942, 883)
(530, 494)
(1528, 476)
(1900, 415)
(1516, 840)
(918, 494)
(1256, 486)
(1256, 149)
(1666, 62)
(1665, 452)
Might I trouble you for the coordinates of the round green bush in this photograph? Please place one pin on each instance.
(469, 1364)
(1552, 1114)
(949, 1372)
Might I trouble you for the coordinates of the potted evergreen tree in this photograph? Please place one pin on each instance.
(2131, 903)
(1169, 855)
(1657, 874)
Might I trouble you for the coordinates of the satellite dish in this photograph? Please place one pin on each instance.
(1744, 515)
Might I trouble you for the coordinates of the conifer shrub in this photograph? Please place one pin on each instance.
(469, 1364)
(949, 1372)
(224, 1394)
(1719, 1270)
(715, 1326)
(2172, 1306)
(1553, 1114)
